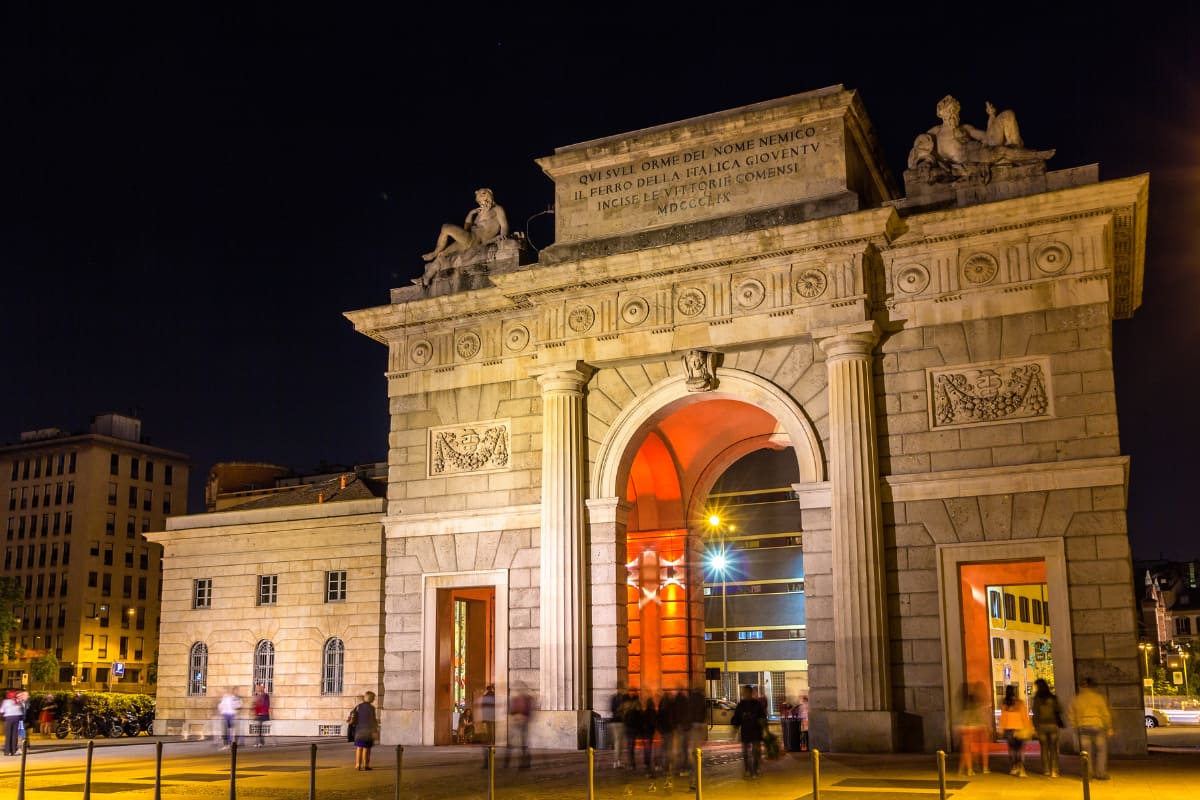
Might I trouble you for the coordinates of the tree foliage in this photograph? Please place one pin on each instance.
(44, 669)
(11, 596)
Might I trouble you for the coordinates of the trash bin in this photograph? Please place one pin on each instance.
(601, 738)
(792, 741)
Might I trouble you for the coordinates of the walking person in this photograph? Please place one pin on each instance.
(486, 717)
(13, 713)
(228, 708)
(617, 725)
(366, 730)
(1014, 722)
(971, 726)
(262, 711)
(519, 712)
(46, 716)
(750, 717)
(647, 727)
(1047, 719)
(631, 719)
(1091, 718)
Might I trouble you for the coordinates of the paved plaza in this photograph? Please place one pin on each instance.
(125, 770)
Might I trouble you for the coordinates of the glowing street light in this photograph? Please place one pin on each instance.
(1146, 647)
(719, 562)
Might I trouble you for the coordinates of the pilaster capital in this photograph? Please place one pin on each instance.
(565, 376)
(847, 341)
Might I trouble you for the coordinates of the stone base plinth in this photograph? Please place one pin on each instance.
(856, 731)
(559, 730)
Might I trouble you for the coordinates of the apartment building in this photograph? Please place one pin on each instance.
(79, 506)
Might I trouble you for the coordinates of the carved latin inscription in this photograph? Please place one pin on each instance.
(479, 447)
(989, 393)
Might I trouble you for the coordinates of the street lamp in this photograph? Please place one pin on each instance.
(1146, 647)
(719, 562)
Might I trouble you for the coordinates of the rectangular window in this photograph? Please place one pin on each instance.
(141, 588)
(1025, 642)
(127, 616)
(167, 473)
(67, 524)
(268, 585)
(134, 464)
(110, 524)
(1037, 612)
(127, 587)
(12, 527)
(12, 499)
(1024, 603)
(104, 614)
(1012, 649)
(66, 557)
(335, 586)
(106, 587)
(24, 497)
(54, 554)
(1010, 606)
(114, 464)
(108, 555)
(149, 470)
(112, 494)
(37, 468)
(141, 618)
(57, 523)
(202, 593)
(129, 557)
(94, 548)
(166, 502)
(123, 647)
(138, 644)
(101, 650)
(146, 499)
(133, 497)
(58, 493)
(89, 641)
(71, 492)
(14, 470)
(1183, 626)
(144, 558)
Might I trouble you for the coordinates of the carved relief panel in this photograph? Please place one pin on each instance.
(478, 447)
(983, 394)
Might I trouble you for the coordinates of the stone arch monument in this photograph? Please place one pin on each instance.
(938, 361)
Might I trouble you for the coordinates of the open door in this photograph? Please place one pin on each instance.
(466, 650)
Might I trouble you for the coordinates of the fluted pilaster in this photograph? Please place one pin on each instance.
(859, 589)
(563, 612)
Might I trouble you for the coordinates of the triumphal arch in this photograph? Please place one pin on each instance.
(930, 358)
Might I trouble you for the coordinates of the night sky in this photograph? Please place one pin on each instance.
(190, 203)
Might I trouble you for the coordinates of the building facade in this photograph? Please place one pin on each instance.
(79, 508)
(934, 361)
(283, 589)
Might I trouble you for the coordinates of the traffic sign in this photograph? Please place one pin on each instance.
(118, 669)
(1177, 678)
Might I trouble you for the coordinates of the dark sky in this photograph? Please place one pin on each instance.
(190, 203)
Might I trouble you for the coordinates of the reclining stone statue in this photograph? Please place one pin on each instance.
(484, 224)
(953, 150)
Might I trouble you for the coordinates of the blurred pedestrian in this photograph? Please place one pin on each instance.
(1017, 729)
(486, 719)
(366, 730)
(616, 724)
(1047, 719)
(1091, 718)
(631, 722)
(46, 716)
(520, 710)
(262, 711)
(12, 713)
(228, 707)
(750, 717)
(971, 726)
(647, 726)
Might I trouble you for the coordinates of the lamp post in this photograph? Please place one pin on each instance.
(1145, 647)
(1187, 691)
(720, 563)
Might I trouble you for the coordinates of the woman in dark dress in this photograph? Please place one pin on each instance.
(366, 730)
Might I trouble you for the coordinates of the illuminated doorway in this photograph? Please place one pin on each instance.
(465, 655)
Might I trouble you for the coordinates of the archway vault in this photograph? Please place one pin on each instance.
(664, 451)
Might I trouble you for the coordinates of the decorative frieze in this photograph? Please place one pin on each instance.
(476, 448)
(984, 394)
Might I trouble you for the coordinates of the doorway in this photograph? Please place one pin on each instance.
(465, 657)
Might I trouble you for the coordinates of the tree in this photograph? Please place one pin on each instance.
(44, 669)
(11, 596)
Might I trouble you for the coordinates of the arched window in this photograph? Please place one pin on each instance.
(335, 660)
(264, 665)
(198, 669)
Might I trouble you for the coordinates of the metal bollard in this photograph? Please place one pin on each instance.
(699, 767)
(158, 770)
(816, 755)
(941, 764)
(1085, 768)
(399, 761)
(491, 787)
(233, 770)
(87, 775)
(591, 773)
(312, 772)
(21, 780)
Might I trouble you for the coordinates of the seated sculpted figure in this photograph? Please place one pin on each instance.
(484, 224)
(954, 149)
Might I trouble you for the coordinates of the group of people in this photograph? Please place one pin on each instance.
(676, 719)
(230, 705)
(1089, 715)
